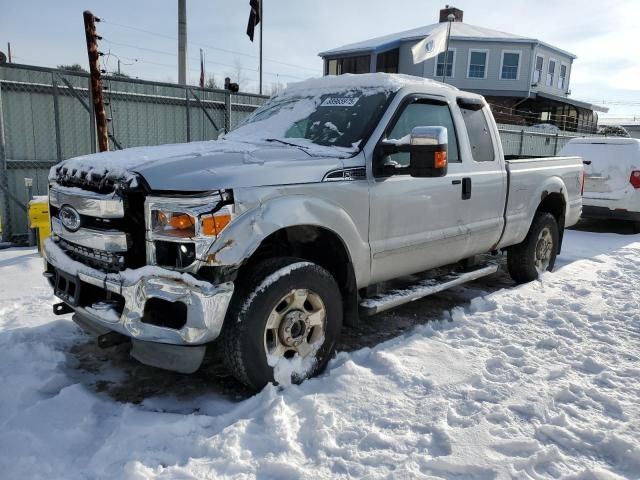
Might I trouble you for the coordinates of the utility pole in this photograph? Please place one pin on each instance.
(182, 42)
(96, 82)
(261, 29)
(118, 67)
(9, 51)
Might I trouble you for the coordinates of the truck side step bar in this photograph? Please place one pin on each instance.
(395, 298)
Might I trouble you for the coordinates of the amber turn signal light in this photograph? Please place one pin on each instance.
(214, 224)
(440, 160)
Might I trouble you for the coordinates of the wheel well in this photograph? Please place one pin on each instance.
(554, 203)
(320, 246)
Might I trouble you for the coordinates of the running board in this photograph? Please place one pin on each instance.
(424, 288)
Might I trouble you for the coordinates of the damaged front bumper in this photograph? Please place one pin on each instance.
(168, 315)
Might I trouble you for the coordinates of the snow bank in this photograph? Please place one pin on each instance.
(539, 381)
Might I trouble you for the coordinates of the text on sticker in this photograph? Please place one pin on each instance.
(339, 102)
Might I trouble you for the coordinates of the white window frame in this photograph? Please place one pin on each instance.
(486, 65)
(537, 56)
(519, 52)
(453, 66)
(555, 70)
(566, 76)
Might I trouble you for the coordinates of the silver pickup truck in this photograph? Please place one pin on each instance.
(262, 244)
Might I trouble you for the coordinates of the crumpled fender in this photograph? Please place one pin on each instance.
(244, 235)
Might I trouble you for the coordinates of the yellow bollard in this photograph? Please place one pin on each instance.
(39, 218)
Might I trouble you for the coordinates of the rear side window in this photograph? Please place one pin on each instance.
(479, 135)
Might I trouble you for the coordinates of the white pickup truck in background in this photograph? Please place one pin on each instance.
(612, 177)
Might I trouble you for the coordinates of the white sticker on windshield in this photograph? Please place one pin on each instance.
(339, 102)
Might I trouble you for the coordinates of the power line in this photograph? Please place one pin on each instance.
(234, 52)
(208, 62)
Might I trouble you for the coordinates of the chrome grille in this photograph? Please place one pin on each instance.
(104, 239)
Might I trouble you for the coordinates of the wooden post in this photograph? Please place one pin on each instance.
(96, 82)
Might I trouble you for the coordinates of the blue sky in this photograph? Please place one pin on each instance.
(602, 34)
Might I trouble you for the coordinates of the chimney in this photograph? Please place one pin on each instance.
(448, 10)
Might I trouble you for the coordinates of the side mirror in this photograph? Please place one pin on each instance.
(428, 149)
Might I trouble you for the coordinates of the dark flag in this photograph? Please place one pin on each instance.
(201, 69)
(254, 17)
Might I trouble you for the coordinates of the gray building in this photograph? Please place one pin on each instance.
(524, 79)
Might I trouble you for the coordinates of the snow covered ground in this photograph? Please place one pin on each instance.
(538, 381)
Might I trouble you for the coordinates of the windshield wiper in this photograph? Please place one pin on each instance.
(286, 143)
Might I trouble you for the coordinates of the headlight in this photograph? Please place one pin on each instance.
(186, 224)
(180, 231)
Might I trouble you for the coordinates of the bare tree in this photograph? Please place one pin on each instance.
(238, 74)
(276, 88)
(76, 67)
(211, 82)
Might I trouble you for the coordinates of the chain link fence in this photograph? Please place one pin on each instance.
(519, 141)
(46, 116)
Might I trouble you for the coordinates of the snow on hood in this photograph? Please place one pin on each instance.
(199, 166)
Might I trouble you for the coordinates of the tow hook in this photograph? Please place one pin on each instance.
(62, 309)
(111, 339)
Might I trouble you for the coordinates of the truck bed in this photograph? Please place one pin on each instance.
(530, 180)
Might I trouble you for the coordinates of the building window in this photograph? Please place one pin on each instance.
(360, 64)
(551, 70)
(537, 72)
(445, 66)
(478, 63)
(510, 66)
(562, 79)
(387, 62)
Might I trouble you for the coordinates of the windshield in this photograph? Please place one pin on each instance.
(340, 119)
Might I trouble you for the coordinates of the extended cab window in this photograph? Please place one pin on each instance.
(424, 113)
(479, 134)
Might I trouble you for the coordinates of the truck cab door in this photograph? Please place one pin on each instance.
(416, 223)
(484, 182)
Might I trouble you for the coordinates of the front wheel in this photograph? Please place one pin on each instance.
(283, 323)
(537, 252)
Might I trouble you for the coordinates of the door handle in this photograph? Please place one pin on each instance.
(456, 182)
(466, 188)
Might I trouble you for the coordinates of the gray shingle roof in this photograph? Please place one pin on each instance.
(459, 31)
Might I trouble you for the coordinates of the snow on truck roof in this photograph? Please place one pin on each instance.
(390, 82)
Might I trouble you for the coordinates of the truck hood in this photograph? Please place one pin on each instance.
(211, 165)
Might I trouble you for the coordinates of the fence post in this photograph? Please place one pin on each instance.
(5, 225)
(56, 117)
(521, 143)
(187, 101)
(227, 111)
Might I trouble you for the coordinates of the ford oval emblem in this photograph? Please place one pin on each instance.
(70, 218)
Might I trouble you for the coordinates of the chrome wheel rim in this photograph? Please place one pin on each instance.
(295, 325)
(544, 249)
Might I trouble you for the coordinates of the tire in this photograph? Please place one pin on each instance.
(636, 227)
(526, 261)
(271, 294)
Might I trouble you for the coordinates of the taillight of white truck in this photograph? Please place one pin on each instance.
(634, 179)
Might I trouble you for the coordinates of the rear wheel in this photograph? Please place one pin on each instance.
(537, 252)
(283, 323)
